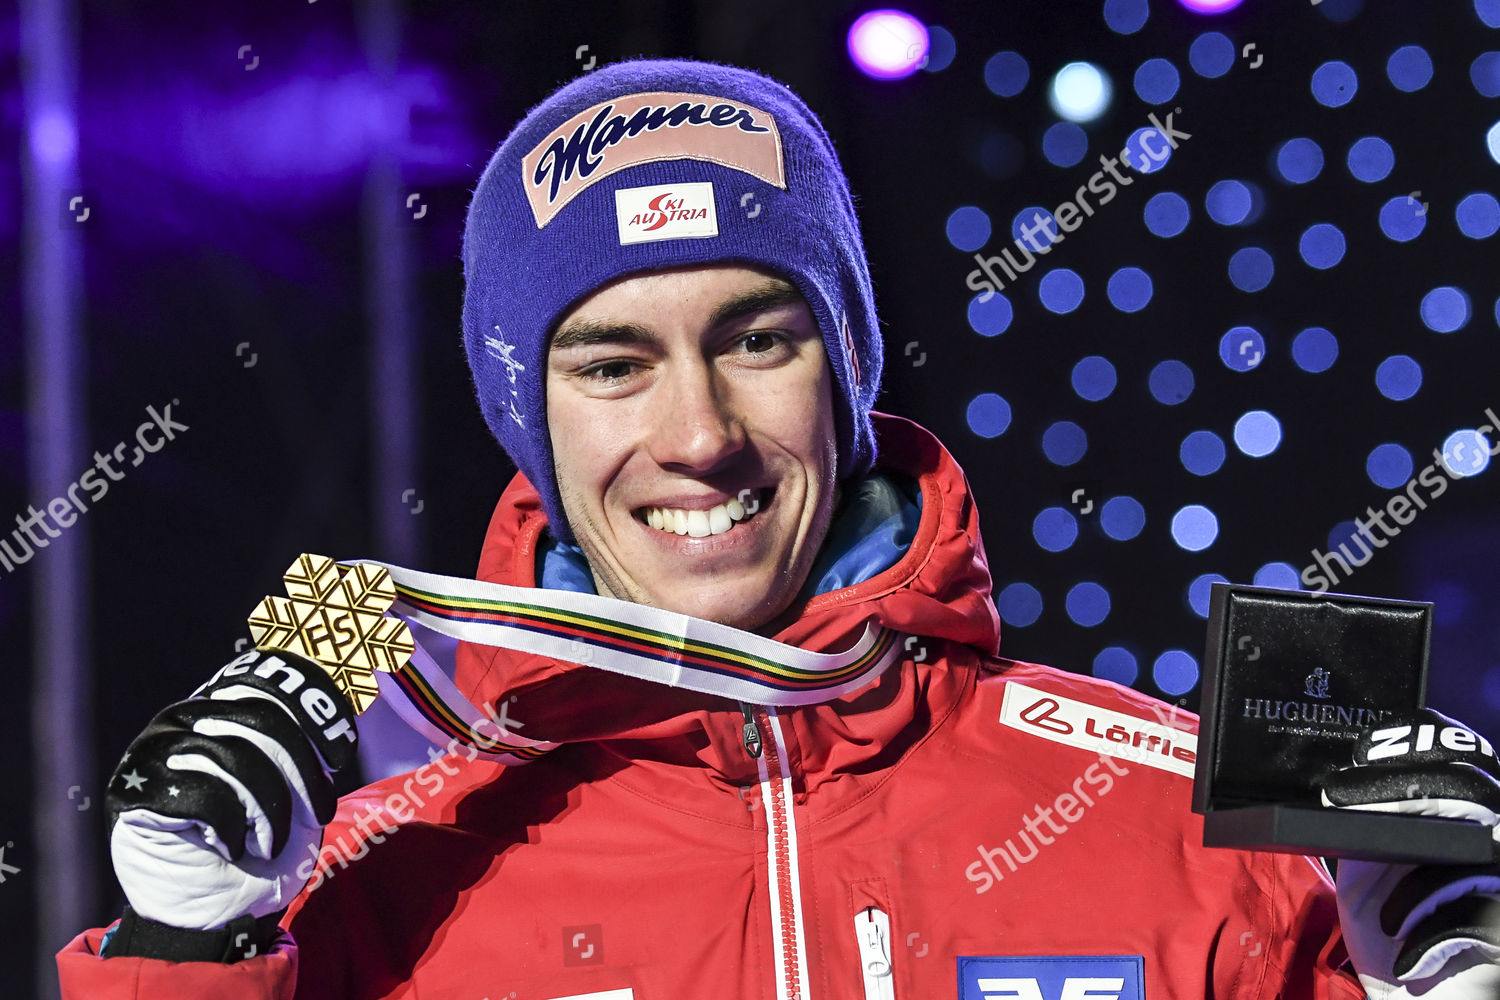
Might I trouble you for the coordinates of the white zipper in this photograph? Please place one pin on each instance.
(782, 870)
(873, 930)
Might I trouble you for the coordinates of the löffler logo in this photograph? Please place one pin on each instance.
(1101, 730)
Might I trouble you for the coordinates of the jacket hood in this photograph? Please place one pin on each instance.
(937, 591)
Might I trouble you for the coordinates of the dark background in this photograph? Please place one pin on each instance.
(230, 207)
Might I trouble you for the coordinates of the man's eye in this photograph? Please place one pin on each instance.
(760, 342)
(608, 371)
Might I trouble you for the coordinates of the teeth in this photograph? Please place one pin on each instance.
(698, 523)
(719, 520)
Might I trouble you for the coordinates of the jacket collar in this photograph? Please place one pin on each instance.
(937, 590)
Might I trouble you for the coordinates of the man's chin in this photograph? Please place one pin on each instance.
(743, 607)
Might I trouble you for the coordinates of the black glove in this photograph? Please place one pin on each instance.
(215, 803)
(1430, 931)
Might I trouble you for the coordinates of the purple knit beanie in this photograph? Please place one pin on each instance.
(648, 164)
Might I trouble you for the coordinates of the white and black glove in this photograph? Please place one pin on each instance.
(216, 803)
(1429, 931)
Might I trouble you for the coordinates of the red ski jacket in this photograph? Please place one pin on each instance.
(963, 826)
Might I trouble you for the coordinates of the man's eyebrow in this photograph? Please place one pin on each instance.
(773, 293)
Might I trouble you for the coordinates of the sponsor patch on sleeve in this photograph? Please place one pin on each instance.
(1051, 977)
(1101, 730)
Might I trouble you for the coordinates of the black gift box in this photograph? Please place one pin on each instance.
(1290, 680)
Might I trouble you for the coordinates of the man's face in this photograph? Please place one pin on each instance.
(698, 399)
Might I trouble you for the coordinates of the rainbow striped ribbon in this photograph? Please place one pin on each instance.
(622, 637)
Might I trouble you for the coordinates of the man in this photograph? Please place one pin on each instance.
(669, 319)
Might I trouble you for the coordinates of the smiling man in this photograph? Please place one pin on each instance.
(691, 420)
(824, 783)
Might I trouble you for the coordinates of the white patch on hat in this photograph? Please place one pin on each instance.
(666, 212)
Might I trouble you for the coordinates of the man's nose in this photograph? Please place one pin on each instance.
(698, 425)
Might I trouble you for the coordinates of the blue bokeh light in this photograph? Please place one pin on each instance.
(1371, 159)
(1257, 433)
(968, 228)
(941, 48)
(1398, 377)
(1147, 150)
(1175, 671)
(1129, 289)
(1064, 443)
(1202, 453)
(1118, 664)
(1080, 92)
(1194, 527)
(1061, 290)
(990, 318)
(1200, 592)
(1211, 55)
(1055, 529)
(1299, 160)
(1403, 218)
(1171, 382)
(1251, 269)
(1006, 73)
(1126, 17)
(1467, 452)
(1087, 604)
(1167, 213)
(1093, 378)
(1389, 465)
(1492, 142)
(1478, 215)
(1122, 518)
(1019, 604)
(1280, 575)
(1409, 68)
(1334, 84)
(1228, 202)
(1315, 349)
(1489, 13)
(1156, 81)
(1036, 229)
(1242, 349)
(999, 154)
(988, 415)
(1322, 245)
(1445, 309)
(1484, 73)
(1064, 144)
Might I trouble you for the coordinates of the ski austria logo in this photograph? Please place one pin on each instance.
(648, 128)
(1052, 977)
(666, 212)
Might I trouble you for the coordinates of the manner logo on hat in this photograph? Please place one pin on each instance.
(666, 212)
(643, 128)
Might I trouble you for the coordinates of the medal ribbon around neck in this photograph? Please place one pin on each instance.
(354, 618)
